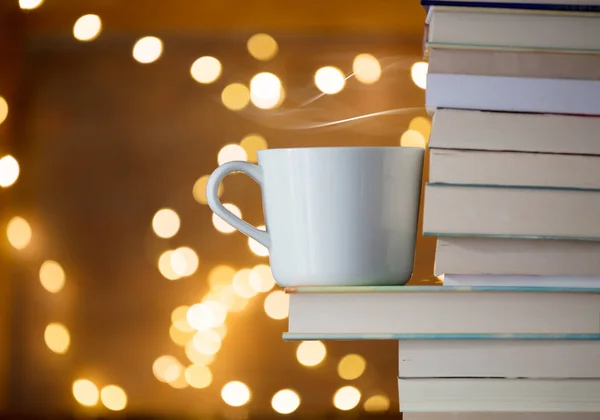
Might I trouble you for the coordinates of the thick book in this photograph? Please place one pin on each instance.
(448, 166)
(503, 131)
(499, 416)
(513, 29)
(525, 257)
(515, 212)
(515, 64)
(520, 280)
(499, 359)
(561, 5)
(513, 94)
(490, 394)
(443, 310)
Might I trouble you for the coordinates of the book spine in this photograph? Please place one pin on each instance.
(515, 5)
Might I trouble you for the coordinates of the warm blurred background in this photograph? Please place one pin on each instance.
(121, 295)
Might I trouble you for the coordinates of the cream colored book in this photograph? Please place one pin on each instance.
(491, 394)
(511, 29)
(469, 167)
(523, 257)
(519, 212)
(499, 359)
(389, 311)
(503, 131)
(515, 63)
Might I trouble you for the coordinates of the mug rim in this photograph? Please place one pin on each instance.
(340, 148)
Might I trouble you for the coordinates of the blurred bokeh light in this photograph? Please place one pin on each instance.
(87, 28)
(9, 170)
(235, 394)
(147, 49)
(366, 68)
(206, 69)
(18, 232)
(262, 47)
(330, 80)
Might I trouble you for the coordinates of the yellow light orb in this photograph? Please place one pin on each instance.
(207, 342)
(196, 357)
(219, 312)
(251, 144)
(30, 4)
(206, 70)
(412, 138)
(52, 276)
(230, 153)
(166, 223)
(285, 401)
(231, 300)
(86, 392)
(256, 247)
(262, 47)
(113, 397)
(220, 275)
(277, 304)
(87, 28)
(18, 232)
(3, 109)
(198, 376)
(235, 96)
(199, 189)
(418, 73)
(57, 337)
(346, 398)
(206, 315)
(351, 366)
(147, 49)
(200, 317)
(235, 394)
(422, 125)
(241, 284)
(165, 268)
(261, 279)
(330, 80)
(180, 382)
(311, 353)
(377, 404)
(366, 68)
(179, 337)
(166, 368)
(265, 90)
(220, 224)
(9, 171)
(184, 261)
(179, 318)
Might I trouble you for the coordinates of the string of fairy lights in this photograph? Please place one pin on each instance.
(200, 328)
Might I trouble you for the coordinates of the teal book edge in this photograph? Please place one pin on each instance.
(507, 47)
(400, 337)
(502, 236)
(512, 187)
(436, 289)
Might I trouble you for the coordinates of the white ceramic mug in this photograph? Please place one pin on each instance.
(335, 216)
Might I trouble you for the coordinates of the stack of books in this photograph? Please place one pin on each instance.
(514, 199)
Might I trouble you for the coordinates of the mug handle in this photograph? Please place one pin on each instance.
(253, 171)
